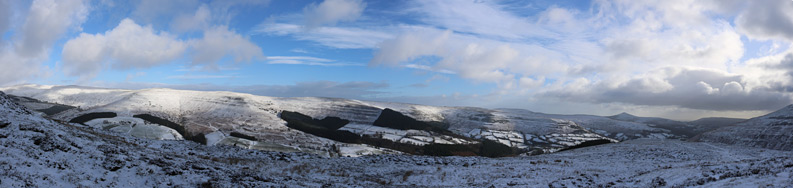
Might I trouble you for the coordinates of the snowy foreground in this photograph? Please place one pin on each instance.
(39, 152)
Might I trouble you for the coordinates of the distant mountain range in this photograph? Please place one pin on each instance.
(69, 136)
(256, 122)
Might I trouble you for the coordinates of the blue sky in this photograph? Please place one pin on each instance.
(677, 59)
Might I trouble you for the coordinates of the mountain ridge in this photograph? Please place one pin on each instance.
(38, 151)
(216, 114)
(770, 131)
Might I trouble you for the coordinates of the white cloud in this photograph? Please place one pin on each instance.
(129, 45)
(189, 15)
(299, 50)
(631, 53)
(471, 58)
(767, 20)
(478, 17)
(665, 33)
(336, 37)
(150, 11)
(200, 76)
(407, 47)
(18, 69)
(639, 53)
(704, 89)
(46, 22)
(301, 58)
(530, 83)
(659, 53)
(200, 68)
(774, 72)
(225, 11)
(305, 60)
(42, 25)
(329, 12)
(189, 22)
(428, 68)
(219, 42)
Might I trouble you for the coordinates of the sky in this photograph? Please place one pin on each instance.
(679, 59)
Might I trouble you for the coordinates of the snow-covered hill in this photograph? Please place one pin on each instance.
(214, 116)
(38, 152)
(676, 128)
(625, 129)
(773, 131)
(633, 163)
(713, 123)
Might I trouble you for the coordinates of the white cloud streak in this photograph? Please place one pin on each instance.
(189, 15)
(330, 12)
(305, 60)
(478, 17)
(200, 76)
(336, 37)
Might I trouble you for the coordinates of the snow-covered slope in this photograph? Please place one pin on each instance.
(38, 152)
(679, 129)
(221, 113)
(215, 115)
(612, 128)
(713, 123)
(634, 163)
(773, 131)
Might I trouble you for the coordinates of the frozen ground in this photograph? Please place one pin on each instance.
(38, 152)
(635, 163)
